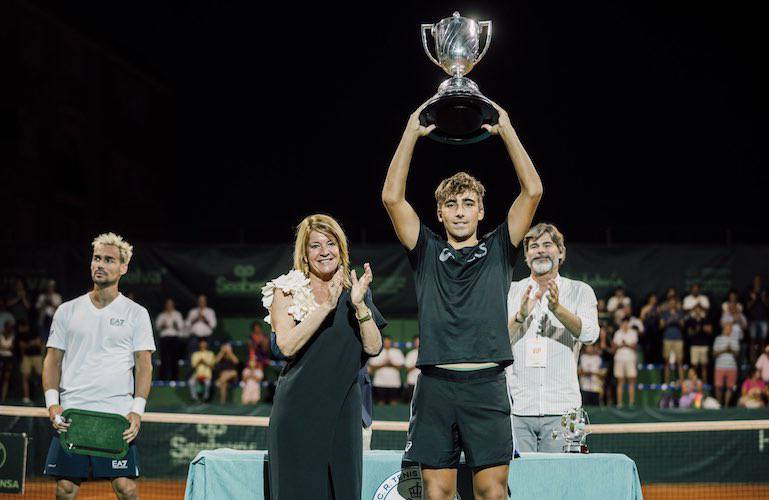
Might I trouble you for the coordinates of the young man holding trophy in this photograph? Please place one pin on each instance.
(460, 401)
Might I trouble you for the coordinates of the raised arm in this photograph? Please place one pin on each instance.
(404, 218)
(521, 213)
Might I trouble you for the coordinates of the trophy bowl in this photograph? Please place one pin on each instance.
(458, 109)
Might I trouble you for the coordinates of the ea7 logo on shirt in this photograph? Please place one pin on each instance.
(116, 322)
(120, 464)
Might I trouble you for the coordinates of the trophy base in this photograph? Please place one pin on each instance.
(458, 110)
(571, 447)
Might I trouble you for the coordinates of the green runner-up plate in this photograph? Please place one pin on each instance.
(95, 433)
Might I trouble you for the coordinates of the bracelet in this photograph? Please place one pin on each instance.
(519, 315)
(365, 317)
(51, 397)
(138, 406)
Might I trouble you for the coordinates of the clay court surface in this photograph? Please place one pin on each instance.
(151, 490)
(705, 491)
(93, 490)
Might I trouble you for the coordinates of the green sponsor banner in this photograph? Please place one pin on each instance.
(232, 275)
(13, 462)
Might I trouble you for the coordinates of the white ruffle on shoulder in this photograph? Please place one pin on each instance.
(297, 285)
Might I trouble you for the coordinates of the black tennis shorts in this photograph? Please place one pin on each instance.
(454, 411)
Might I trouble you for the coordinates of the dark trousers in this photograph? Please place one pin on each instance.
(170, 353)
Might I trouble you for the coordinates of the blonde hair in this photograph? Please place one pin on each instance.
(331, 229)
(126, 249)
(537, 231)
(458, 184)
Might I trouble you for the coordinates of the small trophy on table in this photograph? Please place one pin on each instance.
(573, 429)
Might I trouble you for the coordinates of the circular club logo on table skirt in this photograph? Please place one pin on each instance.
(405, 484)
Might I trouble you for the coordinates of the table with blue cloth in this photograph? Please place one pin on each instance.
(235, 474)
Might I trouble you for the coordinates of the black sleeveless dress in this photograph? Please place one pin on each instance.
(315, 444)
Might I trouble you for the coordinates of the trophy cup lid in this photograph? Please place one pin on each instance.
(457, 43)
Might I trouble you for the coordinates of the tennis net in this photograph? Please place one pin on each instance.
(701, 459)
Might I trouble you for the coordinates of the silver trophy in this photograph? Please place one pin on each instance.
(458, 109)
(573, 429)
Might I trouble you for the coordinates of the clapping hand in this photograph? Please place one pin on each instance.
(360, 286)
(334, 289)
(527, 302)
(552, 298)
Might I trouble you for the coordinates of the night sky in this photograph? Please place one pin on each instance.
(647, 119)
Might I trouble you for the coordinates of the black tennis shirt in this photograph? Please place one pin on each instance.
(462, 298)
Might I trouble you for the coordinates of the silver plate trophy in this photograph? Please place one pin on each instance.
(458, 109)
(573, 429)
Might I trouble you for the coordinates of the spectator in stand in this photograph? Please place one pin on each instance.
(635, 323)
(762, 365)
(625, 361)
(671, 324)
(726, 348)
(20, 305)
(604, 316)
(618, 300)
(170, 325)
(696, 298)
(606, 351)
(387, 375)
(5, 315)
(671, 294)
(201, 322)
(413, 371)
(227, 365)
(591, 375)
(252, 382)
(258, 344)
(31, 347)
(202, 370)
(699, 339)
(757, 308)
(47, 303)
(731, 312)
(650, 316)
(692, 392)
(754, 391)
(7, 354)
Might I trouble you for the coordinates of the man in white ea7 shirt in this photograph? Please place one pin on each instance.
(550, 317)
(96, 342)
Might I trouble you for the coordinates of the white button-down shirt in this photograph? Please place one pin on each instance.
(554, 389)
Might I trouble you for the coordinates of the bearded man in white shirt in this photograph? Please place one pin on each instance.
(96, 343)
(550, 317)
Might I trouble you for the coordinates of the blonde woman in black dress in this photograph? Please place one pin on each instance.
(327, 325)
